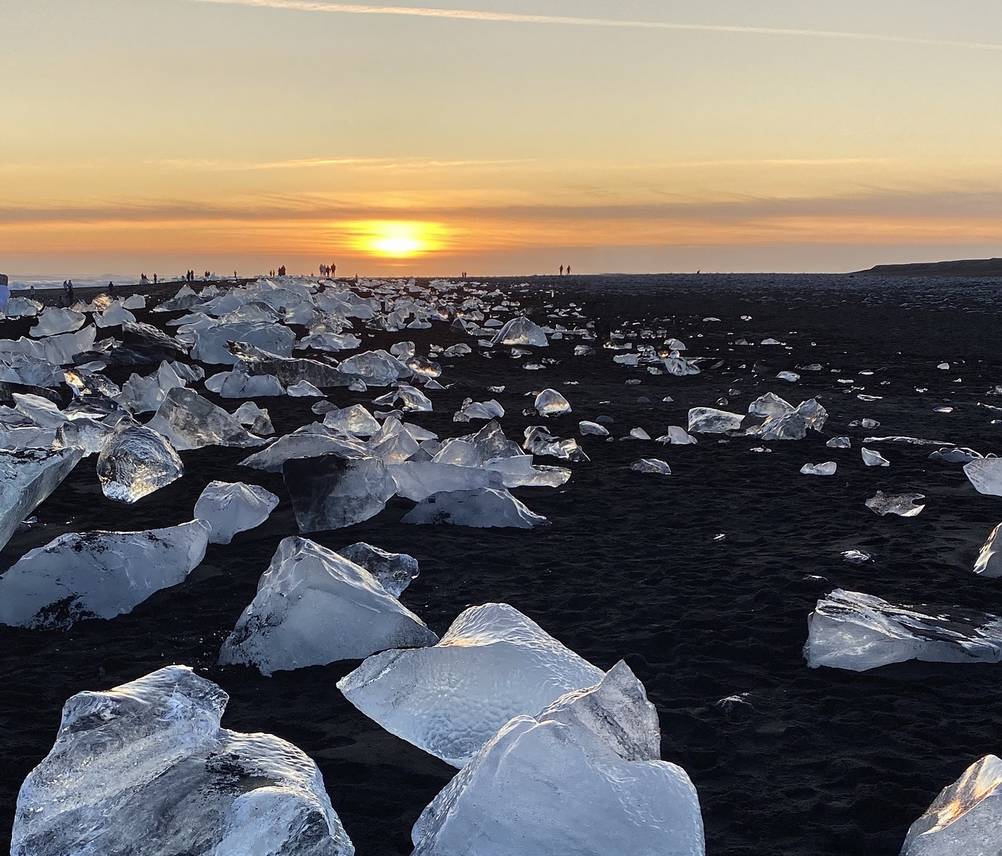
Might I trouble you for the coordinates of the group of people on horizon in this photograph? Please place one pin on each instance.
(568, 270)
(328, 270)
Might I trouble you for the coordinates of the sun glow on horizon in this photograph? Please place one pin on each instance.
(398, 239)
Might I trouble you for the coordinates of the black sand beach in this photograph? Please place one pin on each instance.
(702, 581)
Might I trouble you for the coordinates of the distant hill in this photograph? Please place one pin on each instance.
(961, 267)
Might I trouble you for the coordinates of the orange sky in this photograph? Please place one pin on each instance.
(632, 136)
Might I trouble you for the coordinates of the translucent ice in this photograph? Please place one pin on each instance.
(334, 491)
(97, 574)
(492, 664)
(54, 321)
(376, 368)
(521, 331)
(27, 477)
(904, 505)
(855, 631)
(417, 480)
(485, 508)
(873, 458)
(551, 403)
(986, 475)
(592, 428)
(313, 607)
(145, 769)
(654, 466)
(395, 571)
(190, 421)
(989, 562)
(135, 462)
(709, 420)
(232, 507)
(828, 468)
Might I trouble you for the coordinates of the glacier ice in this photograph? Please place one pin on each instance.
(190, 421)
(484, 508)
(964, 819)
(354, 420)
(254, 418)
(709, 420)
(654, 466)
(587, 428)
(521, 331)
(333, 491)
(232, 507)
(239, 384)
(551, 403)
(97, 574)
(856, 631)
(145, 768)
(314, 606)
(310, 441)
(471, 409)
(986, 475)
(54, 321)
(375, 368)
(903, 505)
(395, 571)
(492, 664)
(27, 477)
(989, 562)
(828, 468)
(417, 480)
(135, 462)
(873, 458)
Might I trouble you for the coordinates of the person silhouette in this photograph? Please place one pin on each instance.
(561, 270)
(568, 270)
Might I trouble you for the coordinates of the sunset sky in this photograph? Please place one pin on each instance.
(497, 138)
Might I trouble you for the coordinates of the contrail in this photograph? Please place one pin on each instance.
(574, 21)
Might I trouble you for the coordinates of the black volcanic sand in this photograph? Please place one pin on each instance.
(702, 581)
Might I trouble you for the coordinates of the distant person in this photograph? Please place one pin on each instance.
(561, 270)
(69, 290)
(568, 270)
(333, 269)
(111, 288)
(154, 279)
(4, 293)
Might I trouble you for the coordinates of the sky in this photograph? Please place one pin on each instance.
(497, 137)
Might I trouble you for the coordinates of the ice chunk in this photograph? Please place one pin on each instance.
(551, 403)
(239, 384)
(22, 307)
(417, 480)
(352, 420)
(654, 466)
(232, 507)
(709, 420)
(521, 331)
(145, 394)
(478, 410)
(989, 562)
(592, 428)
(520, 472)
(395, 571)
(333, 491)
(97, 574)
(192, 422)
(257, 419)
(856, 557)
(955, 456)
(304, 389)
(54, 321)
(828, 468)
(873, 458)
(27, 477)
(539, 441)
(313, 607)
(135, 462)
(310, 441)
(492, 664)
(375, 368)
(145, 769)
(114, 316)
(485, 508)
(770, 404)
(855, 631)
(964, 819)
(839, 443)
(212, 343)
(677, 436)
(903, 505)
(986, 475)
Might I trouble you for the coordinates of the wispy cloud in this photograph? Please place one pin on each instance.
(216, 165)
(576, 21)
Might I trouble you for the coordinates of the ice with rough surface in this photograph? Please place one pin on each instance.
(314, 606)
(27, 477)
(873, 458)
(486, 508)
(54, 321)
(989, 562)
(145, 769)
(375, 368)
(986, 475)
(190, 421)
(232, 507)
(964, 819)
(903, 505)
(709, 420)
(521, 331)
(417, 480)
(395, 571)
(494, 663)
(135, 462)
(333, 491)
(97, 574)
(828, 468)
(654, 466)
(551, 403)
(855, 631)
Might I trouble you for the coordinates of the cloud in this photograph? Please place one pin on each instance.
(576, 21)
(213, 165)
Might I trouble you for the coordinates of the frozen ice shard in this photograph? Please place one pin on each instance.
(333, 491)
(54, 321)
(521, 331)
(313, 607)
(903, 505)
(135, 462)
(709, 420)
(395, 571)
(873, 458)
(986, 475)
(828, 468)
(417, 480)
(97, 574)
(145, 769)
(485, 508)
(27, 477)
(855, 631)
(190, 421)
(492, 664)
(232, 507)
(654, 466)
(989, 562)
(375, 368)
(551, 403)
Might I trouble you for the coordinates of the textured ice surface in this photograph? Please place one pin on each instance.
(678, 436)
(471, 409)
(310, 441)
(989, 562)
(828, 468)
(332, 491)
(709, 420)
(654, 466)
(519, 471)
(592, 428)
(855, 631)
(314, 606)
(873, 458)
(770, 404)
(551, 403)
(97, 574)
(903, 505)
(492, 664)
(552, 785)
(986, 475)
(27, 477)
(486, 508)
(212, 343)
(417, 480)
(289, 370)
(192, 422)
(232, 507)
(521, 331)
(145, 770)
(395, 571)
(145, 394)
(376, 368)
(354, 420)
(965, 819)
(304, 389)
(239, 384)
(135, 462)
(254, 418)
(54, 321)
(58, 350)
(539, 441)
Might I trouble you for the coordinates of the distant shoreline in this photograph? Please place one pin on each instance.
(960, 267)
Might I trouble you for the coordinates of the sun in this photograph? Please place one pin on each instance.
(397, 239)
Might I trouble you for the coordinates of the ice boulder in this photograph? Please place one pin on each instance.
(828, 468)
(333, 491)
(135, 462)
(145, 769)
(54, 321)
(27, 477)
(494, 663)
(521, 331)
(551, 403)
(873, 458)
(417, 480)
(652, 466)
(588, 428)
(902, 505)
(239, 384)
(989, 563)
(395, 571)
(559, 783)
(855, 631)
(355, 420)
(232, 507)
(97, 574)
(375, 368)
(486, 508)
(986, 475)
(709, 420)
(313, 607)
(964, 819)
(190, 421)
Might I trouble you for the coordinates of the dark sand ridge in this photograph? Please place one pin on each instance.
(820, 762)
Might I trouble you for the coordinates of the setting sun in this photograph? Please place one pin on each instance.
(398, 239)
